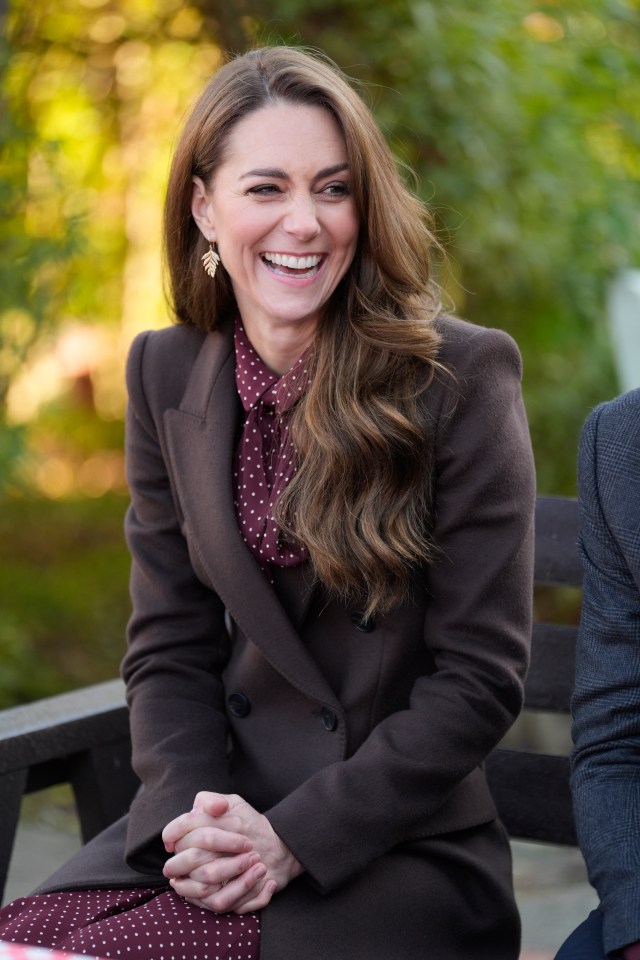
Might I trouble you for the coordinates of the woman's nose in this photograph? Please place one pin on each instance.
(301, 219)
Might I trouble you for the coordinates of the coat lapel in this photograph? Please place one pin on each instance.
(200, 440)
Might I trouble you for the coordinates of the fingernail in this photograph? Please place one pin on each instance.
(260, 871)
(254, 858)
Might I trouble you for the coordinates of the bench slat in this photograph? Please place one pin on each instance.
(60, 726)
(553, 662)
(557, 524)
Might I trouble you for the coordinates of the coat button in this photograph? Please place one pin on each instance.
(329, 719)
(362, 623)
(239, 705)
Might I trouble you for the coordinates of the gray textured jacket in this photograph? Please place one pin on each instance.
(606, 702)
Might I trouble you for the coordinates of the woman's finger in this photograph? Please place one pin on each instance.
(191, 889)
(184, 863)
(205, 869)
(260, 901)
(179, 834)
(224, 869)
(207, 807)
(186, 822)
(222, 898)
(209, 832)
(214, 839)
(215, 804)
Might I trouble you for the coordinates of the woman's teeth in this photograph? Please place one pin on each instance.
(309, 262)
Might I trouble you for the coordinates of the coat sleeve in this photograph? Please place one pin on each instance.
(606, 700)
(177, 642)
(477, 629)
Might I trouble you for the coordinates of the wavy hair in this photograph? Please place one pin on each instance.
(360, 500)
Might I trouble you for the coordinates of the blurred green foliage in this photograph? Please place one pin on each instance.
(520, 119)
(64, 573)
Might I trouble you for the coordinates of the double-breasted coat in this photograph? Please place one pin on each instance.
(362, 742)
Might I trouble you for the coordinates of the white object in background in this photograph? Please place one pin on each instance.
(20, 951)
(624, 323)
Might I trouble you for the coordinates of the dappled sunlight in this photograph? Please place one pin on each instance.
(54, 477)
(102, 473)
(108, 28)
(98, 93)
(543, 27)
(610, 144)
(76, 352)
(35, 385)
(81, 368)
(57, 477)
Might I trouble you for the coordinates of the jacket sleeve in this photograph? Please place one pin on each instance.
(177, 642)
(477, 629)
(606, 700)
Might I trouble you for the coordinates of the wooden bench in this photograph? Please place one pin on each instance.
(82, 738)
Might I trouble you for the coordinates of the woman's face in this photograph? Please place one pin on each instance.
(281, 212)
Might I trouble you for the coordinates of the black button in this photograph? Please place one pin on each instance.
(360, 622)
(329, 719)
(239, 705)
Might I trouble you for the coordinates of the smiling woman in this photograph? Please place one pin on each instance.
(330, 526)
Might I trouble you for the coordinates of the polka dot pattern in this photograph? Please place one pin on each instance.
(265, 457)
(141, 924)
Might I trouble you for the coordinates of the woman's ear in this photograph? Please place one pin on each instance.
(201, 209)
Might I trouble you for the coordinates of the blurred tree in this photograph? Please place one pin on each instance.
(92, 96)
(32, 259)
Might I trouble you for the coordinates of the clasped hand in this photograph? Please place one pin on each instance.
(226, 856)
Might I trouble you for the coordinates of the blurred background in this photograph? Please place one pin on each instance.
(521, 120)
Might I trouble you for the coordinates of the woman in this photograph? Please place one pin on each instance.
(332, 496)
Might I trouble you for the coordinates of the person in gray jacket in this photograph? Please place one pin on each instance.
(606, 700)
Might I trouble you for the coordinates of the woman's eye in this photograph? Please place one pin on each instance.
(337, 189)
(264, 190)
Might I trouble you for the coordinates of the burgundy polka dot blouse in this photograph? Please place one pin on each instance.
(265, 456)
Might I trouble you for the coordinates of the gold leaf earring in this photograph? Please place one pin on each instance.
(210, 261)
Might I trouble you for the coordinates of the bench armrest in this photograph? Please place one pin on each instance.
(81, 738)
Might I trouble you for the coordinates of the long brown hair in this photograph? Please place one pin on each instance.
(360, 500)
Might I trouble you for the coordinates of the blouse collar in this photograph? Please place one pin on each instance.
(256, 382)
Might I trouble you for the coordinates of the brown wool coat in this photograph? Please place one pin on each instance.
(363, 747)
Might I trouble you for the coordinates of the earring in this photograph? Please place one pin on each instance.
(210, 261)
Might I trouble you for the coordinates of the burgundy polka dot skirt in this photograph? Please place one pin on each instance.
(140, 924)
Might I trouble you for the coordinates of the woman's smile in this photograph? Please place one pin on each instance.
(292, 267)
(291, 263)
